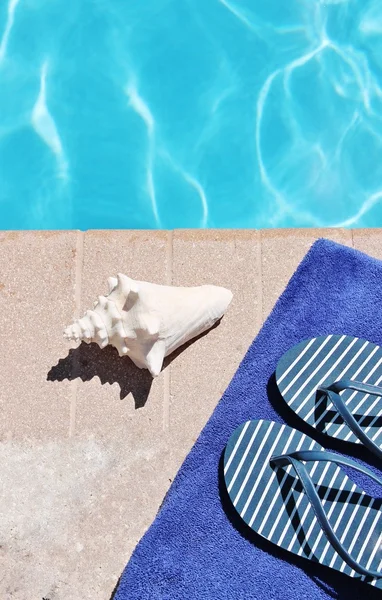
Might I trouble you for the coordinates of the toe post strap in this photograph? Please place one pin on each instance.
(297, 459)
(333, 390)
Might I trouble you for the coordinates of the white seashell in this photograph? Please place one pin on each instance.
(146, 321)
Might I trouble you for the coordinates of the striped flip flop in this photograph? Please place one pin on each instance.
(287, 489)
(331, 382)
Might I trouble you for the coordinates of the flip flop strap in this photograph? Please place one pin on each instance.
(294, 459)
(333, 390)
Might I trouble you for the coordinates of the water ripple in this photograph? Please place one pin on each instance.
(8, 28)
(45, 126)
(367, 205)
(140, 107)
(331, 157)
(155, 148)
(194, 183)
(238, 14)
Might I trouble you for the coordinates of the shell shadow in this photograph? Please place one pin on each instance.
(89, 360)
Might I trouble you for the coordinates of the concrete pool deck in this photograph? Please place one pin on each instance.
(89, 444)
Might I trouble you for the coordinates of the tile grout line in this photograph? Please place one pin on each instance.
(260, 264)
(167, 371)
(352, 237)
(77, 309)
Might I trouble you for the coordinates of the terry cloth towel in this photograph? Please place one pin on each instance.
(196, 549)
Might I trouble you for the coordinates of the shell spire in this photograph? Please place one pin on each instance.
(146, 321)
(124, 289)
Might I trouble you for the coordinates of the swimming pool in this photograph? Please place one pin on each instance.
(192, 113)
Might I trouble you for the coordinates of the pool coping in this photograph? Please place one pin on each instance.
(89, 444)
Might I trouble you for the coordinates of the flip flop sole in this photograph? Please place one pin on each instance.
(321, 361)
(271, 500)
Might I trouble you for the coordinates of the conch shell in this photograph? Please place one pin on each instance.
(146, 321)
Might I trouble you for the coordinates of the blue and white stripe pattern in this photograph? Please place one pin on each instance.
(272, 502)
(320, 362)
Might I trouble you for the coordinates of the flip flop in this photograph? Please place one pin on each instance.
(331, 382)
(288, 490)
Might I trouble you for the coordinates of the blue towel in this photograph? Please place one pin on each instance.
(196, 548)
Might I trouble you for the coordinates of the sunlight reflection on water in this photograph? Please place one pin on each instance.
(165, 114)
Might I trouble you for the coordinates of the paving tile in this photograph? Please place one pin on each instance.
(37, 297)
(120, 409)
(281, 252)
(112, 393)
(368, 241)
(201, 373)
(48, 489)
(37, 280)
(124, 502)
(40, 472)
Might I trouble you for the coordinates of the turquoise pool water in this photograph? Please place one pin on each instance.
(190, 113)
